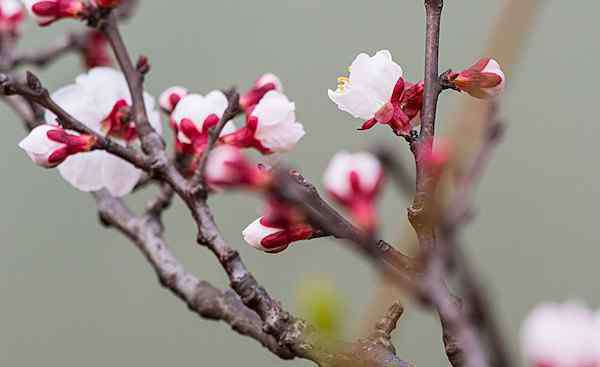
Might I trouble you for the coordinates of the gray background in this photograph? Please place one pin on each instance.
(72, 293)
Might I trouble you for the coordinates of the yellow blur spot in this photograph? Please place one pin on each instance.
(321, 304)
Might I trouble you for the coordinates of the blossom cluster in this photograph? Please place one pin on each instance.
(375, 91)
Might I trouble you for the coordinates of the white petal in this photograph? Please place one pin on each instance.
(273, 108)
(356, 101)
(282, 137)
(369, 86)
(277, 127)
(119, 177)
(217, 101)
(256, 232)
(84, 170)
(37, 141)
(78, 103)
(107, 86)
(378, 74)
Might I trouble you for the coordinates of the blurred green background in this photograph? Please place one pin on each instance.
(73, 293)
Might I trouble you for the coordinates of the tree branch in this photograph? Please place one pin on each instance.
(152, 143)
(201, 297)
(33, 91)
(197, 183)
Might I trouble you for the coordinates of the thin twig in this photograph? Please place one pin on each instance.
(152, 143)
(197, 183)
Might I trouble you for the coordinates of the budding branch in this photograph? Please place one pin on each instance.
(249, 308)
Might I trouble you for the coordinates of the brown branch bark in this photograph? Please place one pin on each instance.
(152, 143)
(200, 296)
(197, 183)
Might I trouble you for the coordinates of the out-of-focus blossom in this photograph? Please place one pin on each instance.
(354, 181)
(562, 335)
(11, 15)
(227, 167)
(436, 153)
(96, 50)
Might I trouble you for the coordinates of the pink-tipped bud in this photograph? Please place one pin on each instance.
(484, 80)
(262, 85)
(46, 12)
(170, 98)
(264, 236)
(49, 145)
(227, 167)
(354, 181)
(11, 16)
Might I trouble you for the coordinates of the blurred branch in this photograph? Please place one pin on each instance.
(72, 42)
(403, 179)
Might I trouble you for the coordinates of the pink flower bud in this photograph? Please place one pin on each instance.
(483, 80)
(46, 12)
(195, 114)
(562, 335)
(227, 167)
(262, 235)
(11, 16)
(354, 180)
(107, 3)
(271, 126)
(264, 84)
(48, 145)
(170, 98)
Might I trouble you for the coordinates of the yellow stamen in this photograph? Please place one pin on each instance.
(342, 83)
